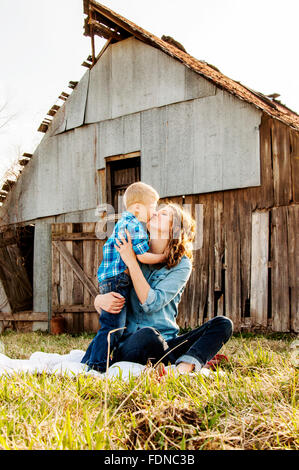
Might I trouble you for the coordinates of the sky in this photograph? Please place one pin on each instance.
(42, 47)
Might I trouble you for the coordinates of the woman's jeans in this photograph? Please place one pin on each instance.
(97, 351)
(196, 347)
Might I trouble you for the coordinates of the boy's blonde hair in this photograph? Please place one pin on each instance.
(140, 192)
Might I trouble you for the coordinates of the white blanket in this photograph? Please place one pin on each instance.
(69, 364)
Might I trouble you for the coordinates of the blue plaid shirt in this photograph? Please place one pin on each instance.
(112, 263)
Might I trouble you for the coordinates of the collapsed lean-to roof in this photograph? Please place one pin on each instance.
(106, 23)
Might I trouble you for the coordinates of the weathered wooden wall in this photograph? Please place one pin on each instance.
(248, 267)
(194, 140)
(178, 121)
(212, 143)
(60, 178)
(248, 264)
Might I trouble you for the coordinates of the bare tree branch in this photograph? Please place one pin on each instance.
(5, 118)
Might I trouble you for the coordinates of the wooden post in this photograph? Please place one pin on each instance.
(92, 37)
(293, 261)
(280, 270)
(50, 281)
(259, 269)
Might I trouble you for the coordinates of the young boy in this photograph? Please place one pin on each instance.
(140, 201)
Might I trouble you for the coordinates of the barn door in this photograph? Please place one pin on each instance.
(76, 256)
(13, 272)
(121, 171)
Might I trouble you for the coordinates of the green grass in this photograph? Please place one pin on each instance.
(254, 405)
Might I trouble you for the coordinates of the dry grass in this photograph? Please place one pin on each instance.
(253, 406)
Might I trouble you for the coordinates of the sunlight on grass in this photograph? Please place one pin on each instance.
(254, 405)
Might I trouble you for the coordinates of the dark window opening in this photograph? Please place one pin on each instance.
(119, 175)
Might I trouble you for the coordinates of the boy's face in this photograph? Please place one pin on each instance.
(151, 209)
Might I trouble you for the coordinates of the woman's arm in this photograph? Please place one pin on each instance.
(128, 255)
(153, 299)
(140, 284)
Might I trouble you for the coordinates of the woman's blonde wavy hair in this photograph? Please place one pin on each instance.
(182, 234)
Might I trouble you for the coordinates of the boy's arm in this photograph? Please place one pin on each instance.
(151, 258)
(139, 242)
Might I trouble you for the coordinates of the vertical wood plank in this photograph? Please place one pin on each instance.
(232, 259)
(259, 268)
(66, 280)
(220, 305)
(77, 297)
(93, 321)
(293, 260)
(55, 270)
(245, 246)
(294, 142)
(211, 261)
(185, 317)
(281, 164)
(188, 307)
(192, 291)
(184, 310)
(202, 272)
(219, 240)
(102, 185)
(88, 267)
(263, 196)
(280, 270)
(108, 184)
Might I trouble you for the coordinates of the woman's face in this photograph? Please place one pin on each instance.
(160, 223)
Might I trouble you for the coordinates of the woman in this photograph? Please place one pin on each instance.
(151, 329)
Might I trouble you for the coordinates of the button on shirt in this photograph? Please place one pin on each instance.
(112, 263)
(160, 309)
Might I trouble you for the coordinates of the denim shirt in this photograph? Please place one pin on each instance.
(161, 306)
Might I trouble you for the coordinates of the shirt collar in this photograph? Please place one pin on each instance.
(128, 215)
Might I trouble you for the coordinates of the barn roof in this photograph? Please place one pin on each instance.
(104, 22)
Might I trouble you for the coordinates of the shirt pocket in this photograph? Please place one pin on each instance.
(156, 278)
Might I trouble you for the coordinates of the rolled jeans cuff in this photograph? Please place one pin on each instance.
(190, 360)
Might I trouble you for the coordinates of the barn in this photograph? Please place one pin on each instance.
(147, 110)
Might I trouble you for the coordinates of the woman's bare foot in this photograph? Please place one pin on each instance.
(185, 367)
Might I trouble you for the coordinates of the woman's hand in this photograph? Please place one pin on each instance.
(112, 302)
(125, 249)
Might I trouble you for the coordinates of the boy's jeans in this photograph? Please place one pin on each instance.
(96, 353)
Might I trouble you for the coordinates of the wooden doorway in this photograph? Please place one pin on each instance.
(121, 171)
(16, 267)
(76, 256)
